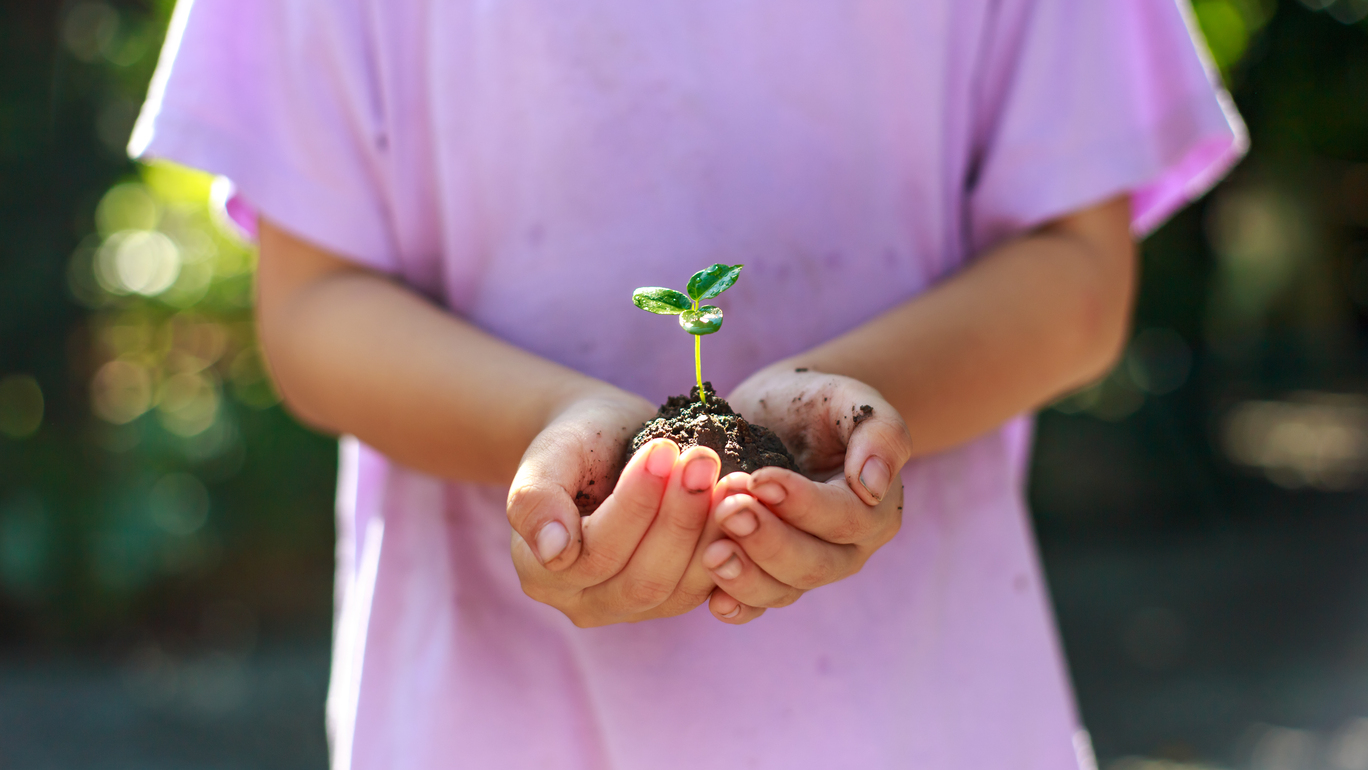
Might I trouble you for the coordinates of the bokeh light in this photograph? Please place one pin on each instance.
(121, 392)
(171, 276)
(90, 29)
(138, 261)
(127, 206)
(188, 402)
(1318, 440)
(1264, 239)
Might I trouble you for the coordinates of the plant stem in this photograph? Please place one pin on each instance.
(698, 366)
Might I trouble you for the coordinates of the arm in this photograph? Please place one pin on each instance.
(1028, 320)
(1025, 322)
(355, 352)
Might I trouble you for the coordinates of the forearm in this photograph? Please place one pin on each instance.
(1024, 323)
(353, 352)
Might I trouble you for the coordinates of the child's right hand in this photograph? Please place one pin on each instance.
(629, 560)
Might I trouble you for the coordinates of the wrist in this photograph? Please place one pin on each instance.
(575, 392)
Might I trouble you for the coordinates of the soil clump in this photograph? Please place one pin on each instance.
(741, 445)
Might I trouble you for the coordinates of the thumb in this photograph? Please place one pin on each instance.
(878, 447)
(542, 510)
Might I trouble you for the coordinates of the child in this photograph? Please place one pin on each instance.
(934, 201)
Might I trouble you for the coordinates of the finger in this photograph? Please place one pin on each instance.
(612, 533)
(654, 571)
(729, 610)
(830, 511)
(878, 447)
(732, 484)
(537, 582)
(541, 509)
(736, 574)
(790, 555)
(698, 583)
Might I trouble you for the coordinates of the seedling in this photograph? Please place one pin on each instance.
(696, 320)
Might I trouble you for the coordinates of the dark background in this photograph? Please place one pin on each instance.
(166, 531)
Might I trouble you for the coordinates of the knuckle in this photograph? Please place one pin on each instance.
(895, 432)
(887, 430)
(584, 614)
(866, 527)
(766, 594)
(596, 566)
(639, 504)
(816, 577)
(849, 529)
(519, 495)
(765, 549)
(523, 503)
(525, 495)
(675, 605)
(681, 525)
(899, 443)
(685, 597)
(645, 594)
(687, 600)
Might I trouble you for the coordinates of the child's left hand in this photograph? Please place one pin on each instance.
(790, 533)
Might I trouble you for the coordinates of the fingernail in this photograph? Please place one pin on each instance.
(660, 462)
(551, 541)
(741, 524)
(735, 611)
(698, 474)
(715, 554)
(730, 569)
(770, 493)
(874, 476)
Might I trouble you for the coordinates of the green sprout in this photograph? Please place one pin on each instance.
(698, 321)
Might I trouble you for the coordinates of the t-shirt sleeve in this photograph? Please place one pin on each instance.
(1082, 100)
(279, 97)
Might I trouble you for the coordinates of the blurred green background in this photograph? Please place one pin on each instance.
(166, 530)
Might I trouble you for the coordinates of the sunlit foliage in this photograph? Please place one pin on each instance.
(147, 475)
(169, 285)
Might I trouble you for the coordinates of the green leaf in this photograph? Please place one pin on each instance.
(711, 282)
(704, 320)
(661, 301)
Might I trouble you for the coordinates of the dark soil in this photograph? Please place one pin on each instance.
(741, 445)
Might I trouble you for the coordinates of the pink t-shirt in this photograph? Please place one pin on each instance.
(527, 163)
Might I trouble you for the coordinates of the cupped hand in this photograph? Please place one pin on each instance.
(788, 533)
(626, 560)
